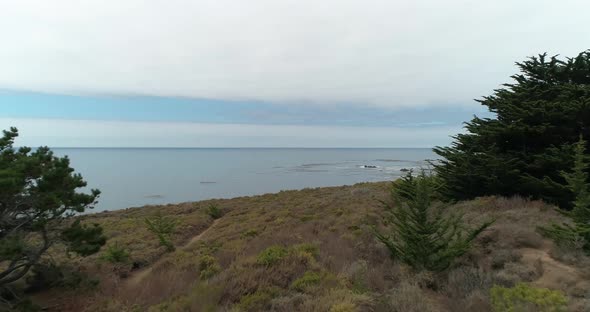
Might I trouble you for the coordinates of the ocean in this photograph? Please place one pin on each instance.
(133, 177)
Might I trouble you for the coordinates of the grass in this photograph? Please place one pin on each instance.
(310, 250)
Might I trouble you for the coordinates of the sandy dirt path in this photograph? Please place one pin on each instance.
(137, 277)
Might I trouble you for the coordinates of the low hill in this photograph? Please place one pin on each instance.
(311, 250)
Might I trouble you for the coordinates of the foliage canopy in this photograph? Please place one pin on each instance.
(538, 119)
(38, 196)
(577, 234)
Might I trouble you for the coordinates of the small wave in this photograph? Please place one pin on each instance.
(207, 182)
(317, 165)
(154, 196)
(308, 170)
(390, 160)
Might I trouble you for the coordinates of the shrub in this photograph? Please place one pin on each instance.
(306, 248)
(49, 275)
(409, 297)
(250, 233)
(271, 255)
(308, 280)
(162, 227)
(503, 256)
(523, 297)
(344, 307)
(115, 254)
(258, 301)
(464, 281)
(214, 212)
(421, 236)
(356, 275)
(208, 266)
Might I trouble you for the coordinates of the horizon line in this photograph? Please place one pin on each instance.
(189, 147)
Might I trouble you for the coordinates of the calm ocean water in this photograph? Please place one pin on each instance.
(137, 177)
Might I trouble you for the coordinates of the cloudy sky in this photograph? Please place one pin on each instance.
(265, 73)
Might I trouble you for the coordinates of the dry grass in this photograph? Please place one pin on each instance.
(331, 263)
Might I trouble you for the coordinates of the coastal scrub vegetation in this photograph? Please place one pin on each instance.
(326, 263)
(38, 201)
(421, 243)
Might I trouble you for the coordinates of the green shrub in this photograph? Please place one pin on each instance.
(250, 233)
(208, 266)
(306, 218)
(162, 227)
(421, 236)
(214, 212)
(271, 255)
(308, 280)
(307, 248)
(344, 307)
(49, 275)
(115, 254)
(258, 301)
(523, 297)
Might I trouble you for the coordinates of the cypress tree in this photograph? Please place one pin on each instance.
(524, 148)
(576, 234)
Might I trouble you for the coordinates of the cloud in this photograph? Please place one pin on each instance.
(95, 133)
(374, 52)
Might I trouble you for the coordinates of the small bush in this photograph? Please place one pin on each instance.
(250, 233)
(214, 212)
(409, 298)
(523, 297)
(422, 236)
(208, 267)
(464, 281)
(271, 255)
(258, 301)
(514, 273)
(115, 254)
(308, 280)
(310, 249)
(49, 275)
(162, 227)
(306, 218)
(44, 276)
(502, 257)
(344, 307)
(356, 275)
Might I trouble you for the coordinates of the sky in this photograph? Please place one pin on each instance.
(265, 73)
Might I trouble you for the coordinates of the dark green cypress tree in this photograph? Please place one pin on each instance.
(525, 147)
(576, 234)
(420, 235)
